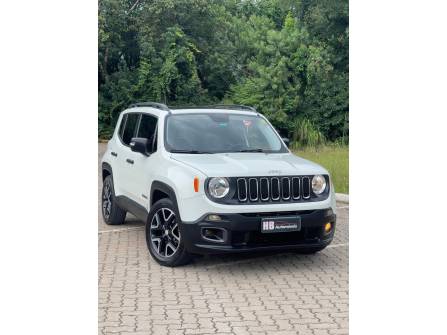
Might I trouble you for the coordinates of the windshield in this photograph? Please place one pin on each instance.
(215, 133)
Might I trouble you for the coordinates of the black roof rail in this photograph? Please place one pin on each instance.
(150, 104)
(236, 107)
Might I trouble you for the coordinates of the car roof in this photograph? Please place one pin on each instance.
(175, 111)
(194, 109)
(211, 110)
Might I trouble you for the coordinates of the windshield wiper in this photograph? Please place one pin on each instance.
(190, 152)
(251, 150)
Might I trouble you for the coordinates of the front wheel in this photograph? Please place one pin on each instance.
(163, 237)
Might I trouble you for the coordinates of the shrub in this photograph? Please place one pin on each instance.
(305, 133)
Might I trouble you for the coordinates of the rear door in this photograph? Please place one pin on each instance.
(124, 159)
(113, 149)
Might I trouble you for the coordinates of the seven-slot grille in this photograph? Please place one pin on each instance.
(271, 189)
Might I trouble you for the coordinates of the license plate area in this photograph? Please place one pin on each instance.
(280, 224)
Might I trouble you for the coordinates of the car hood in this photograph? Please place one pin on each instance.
(249, 164)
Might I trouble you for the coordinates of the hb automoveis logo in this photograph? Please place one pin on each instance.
(274, 172)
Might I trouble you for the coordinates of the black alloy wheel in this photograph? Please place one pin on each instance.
(111, 212)
(165, 233)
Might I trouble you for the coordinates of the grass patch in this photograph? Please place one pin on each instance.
(335, 159)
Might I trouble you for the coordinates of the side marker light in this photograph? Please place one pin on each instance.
(196, 184)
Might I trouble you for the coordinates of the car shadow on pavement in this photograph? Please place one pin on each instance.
(259, 260)
(252, 262)
(252, 259)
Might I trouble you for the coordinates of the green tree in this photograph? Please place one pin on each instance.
(288, 58)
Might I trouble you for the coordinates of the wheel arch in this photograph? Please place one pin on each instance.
(161, 190)
(106, 170)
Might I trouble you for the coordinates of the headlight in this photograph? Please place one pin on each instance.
(318, 184)
(218, 187)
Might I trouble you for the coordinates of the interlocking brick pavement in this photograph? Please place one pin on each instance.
(269, 293)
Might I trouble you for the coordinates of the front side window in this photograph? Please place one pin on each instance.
(129, 127)
(216, 132)
(147, 129)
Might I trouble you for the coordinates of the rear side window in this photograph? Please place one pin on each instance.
(147, 129)
(123, 123)
(129, 128)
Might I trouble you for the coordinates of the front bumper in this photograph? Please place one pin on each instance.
(242, 232)
(193, 209)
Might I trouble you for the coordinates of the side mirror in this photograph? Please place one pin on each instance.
(286, 141)
(139, 144)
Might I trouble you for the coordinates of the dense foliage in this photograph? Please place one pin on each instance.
(287, 58)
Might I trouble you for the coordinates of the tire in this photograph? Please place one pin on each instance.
(309, 250)
(163, 237)
(111, 212)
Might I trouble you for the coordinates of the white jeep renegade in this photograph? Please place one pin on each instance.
(213, 179)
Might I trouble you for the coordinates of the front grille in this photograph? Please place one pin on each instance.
(242, 189)
(253, 189)
(305, 181)
(270, 190)
(264, 189)
(286, 188)
(273, 189)
(296, 193)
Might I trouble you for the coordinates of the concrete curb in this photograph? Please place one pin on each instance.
(342, 197)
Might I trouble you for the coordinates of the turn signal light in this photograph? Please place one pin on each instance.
(196, 184)
(327, 227)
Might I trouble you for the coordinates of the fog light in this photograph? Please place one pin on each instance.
(214, 234)
(213, 217)
(327, 227)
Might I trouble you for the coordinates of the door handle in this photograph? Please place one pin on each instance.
(114, 154)
(130, 161)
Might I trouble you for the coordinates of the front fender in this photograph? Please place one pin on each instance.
(178, 182)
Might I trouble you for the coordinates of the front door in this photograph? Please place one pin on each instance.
(139, 172)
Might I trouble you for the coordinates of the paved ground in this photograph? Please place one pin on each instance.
(282, 293)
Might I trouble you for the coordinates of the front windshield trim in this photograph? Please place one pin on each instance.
(282, 150)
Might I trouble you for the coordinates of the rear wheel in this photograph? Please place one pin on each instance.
(111, 212)
(163, 237)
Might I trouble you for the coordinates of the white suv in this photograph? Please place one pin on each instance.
(213, 179)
